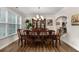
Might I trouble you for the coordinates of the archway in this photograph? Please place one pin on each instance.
(61, 22)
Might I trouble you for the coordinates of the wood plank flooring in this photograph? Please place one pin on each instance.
(15, 48)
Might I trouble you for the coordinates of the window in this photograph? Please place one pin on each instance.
(2, 23)
(9, 22)
(2, 15)
(18, 22)
(11, 25)
(2, 30)
(11, 28)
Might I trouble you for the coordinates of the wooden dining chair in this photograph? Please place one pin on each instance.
(43, 37)
(51, 36)
(36, 37)
(27, 37)
(20, 36)
(58, 36)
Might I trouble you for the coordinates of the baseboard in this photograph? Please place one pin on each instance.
(69, 43)
(7, 44)
(73, 46)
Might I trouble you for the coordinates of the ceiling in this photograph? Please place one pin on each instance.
(37, 10)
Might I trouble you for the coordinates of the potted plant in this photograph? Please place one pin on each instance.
(28, 24)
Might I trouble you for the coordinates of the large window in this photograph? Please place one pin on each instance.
(9, 22)
(2, 23)
(11, 25)
(18, 22)
(2, 30)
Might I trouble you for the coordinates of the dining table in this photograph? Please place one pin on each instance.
(42, 36)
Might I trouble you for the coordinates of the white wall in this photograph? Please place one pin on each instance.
(72, 37)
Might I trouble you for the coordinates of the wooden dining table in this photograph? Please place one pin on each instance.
(42, 36)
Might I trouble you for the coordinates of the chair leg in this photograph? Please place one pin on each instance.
(21, 43)
(59, 42)
(56, 43)
(18, 42)
(53, 43)
(25, 43)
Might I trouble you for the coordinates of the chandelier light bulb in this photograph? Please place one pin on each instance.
(37, 16)
(34, 18)
(41, 17)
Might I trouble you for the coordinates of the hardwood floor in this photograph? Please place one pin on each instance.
(15, 48)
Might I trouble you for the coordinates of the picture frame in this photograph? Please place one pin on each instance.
(75, 19)
(49, 22)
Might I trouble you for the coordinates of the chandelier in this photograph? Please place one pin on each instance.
(38, 16)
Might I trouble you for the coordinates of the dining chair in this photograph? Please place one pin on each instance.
(27, 37)
(20, 36)
(57, 39)
(58, 36)
(52, 38)
(36, 37)
(43, 37)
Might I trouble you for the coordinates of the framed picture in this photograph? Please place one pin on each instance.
(75, 20)
(49, 22)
